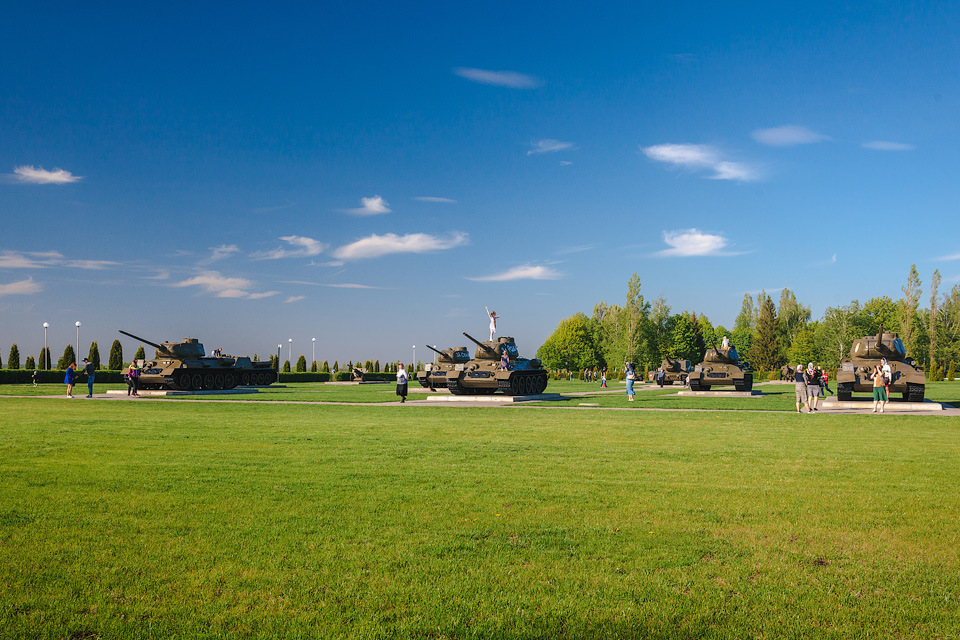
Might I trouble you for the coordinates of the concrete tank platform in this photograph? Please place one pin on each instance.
(754, 393)
(866, 404)
(496, 398)
(164, 393)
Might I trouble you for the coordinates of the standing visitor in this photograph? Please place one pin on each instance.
(813, 387)
(402, 379)
(887, 374)
(90, 371)
(603, 378)
(493, 321)
(800, 384)
(879, 389)
(133, 379)
(70, 378)
(824, 380)
(631, 376)
(34, 376)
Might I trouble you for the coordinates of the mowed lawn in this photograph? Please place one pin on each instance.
(192, 520)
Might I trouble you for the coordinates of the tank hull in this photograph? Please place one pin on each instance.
(484, 374)
(206, 374)
(719, 369)
(856, 372)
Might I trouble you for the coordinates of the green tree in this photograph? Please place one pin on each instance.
(313, 366)
(69, 357)
(908, 310)
(301, 364)
(932, 329)
(140, 354)
(570, 347)
(951, 372)
(13, 360)
(765, 350)
(336, 366)
(30, 364)
(94, 356)
(286, 366)
(376, 366)
(115, 361)
(326, 367)
(744, 326)
(44, 359)
(684, 342)
(803, 349)
(792, 317)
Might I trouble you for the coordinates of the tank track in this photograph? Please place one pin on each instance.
(524, 383)
(195, 379)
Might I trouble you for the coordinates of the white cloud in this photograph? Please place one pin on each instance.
(548, 146)
(692, 242)
(224, 287)
(522, 272)
(955, 256)
(23, 287)
(90, 265)
(300, 247)
(435, 199)
(565, 163)
(787, 136)
(886, 145)
(350, 285)
(34, 175)
(577, 249)
(221, 252)
(48, 259)
(375, 245)
(701, 157)
(295, 298)
(371, 207)
(511, 79)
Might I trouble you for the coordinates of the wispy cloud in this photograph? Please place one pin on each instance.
(549, 146)
(511, 79)
(522, 272)
(295, 299)
(38, 175)
(224, 287)
(955, 256)
(298, 247)
(788, 136)
(370, 207)
(221, 252)
(577, 249)
(692, 242)
(23, 287)
(339, 285)
(886, 145)
(375, 245)
(278, 207)
(49, 259)
(701, 157)
(565, 163)
(435, 199)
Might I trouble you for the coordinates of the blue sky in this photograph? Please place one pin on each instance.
(372, 175)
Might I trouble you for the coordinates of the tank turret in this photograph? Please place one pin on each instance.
(866, 353)
(674, 370)
(184, 365)
(434, 376)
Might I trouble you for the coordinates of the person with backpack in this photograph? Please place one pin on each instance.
(133, 379)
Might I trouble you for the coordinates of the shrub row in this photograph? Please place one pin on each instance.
(24, 376)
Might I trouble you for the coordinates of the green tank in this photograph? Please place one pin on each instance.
(434, 376)
(855, 374)
(484, 375)
(721, 366)
(674, 369)
(185, 366)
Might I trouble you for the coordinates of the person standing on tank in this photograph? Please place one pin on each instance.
(493, 321)
(90, 371)
(402, 379)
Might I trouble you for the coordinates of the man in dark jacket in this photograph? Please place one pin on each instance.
(90, 371)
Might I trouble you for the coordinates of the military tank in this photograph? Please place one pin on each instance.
(483, 375)
(856, 372)
(675, 370)
(434, 376)
(721, 366)
(184, 365)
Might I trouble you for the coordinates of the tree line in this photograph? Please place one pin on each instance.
(768, 334)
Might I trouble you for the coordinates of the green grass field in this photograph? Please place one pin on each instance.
(199, 520)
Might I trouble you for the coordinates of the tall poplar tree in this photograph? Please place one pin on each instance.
(765, 350)
(115, 362)
(932, 327)
(13, 360)
(908, 309)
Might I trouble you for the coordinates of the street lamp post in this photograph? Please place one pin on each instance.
(314, 340)
(77, 356)
(413, 365)
(46, 354)
(290, 353)
(434, 354)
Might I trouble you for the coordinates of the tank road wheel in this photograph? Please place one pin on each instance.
(208, 381)
(219, 381)
(196, 381)
(695, 384)
(530, 386)
(229, 381)
(514, 386)
(245, 378)
(453, 384)
(541, 383)
(183, 381)
(915, 392)
(844, 391)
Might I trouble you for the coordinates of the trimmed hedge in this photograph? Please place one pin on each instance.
(308, 376)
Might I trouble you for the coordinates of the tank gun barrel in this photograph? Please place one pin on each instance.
(480, 344)
(434, 350)
(145, 341)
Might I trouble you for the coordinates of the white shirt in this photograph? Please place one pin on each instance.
(888, 372)
(402, 376)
